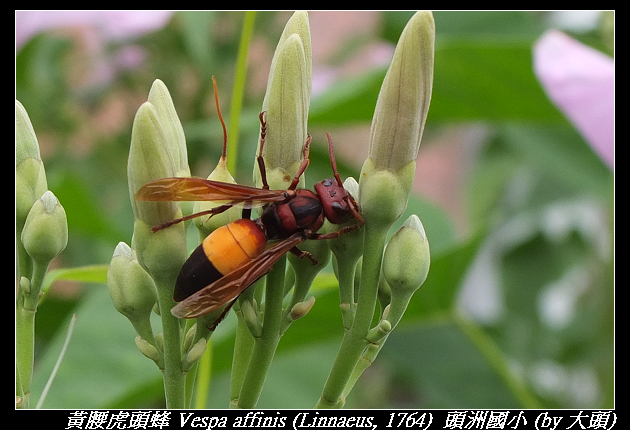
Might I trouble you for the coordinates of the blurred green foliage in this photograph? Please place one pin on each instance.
(539, 208)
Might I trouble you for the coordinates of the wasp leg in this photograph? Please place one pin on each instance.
(303, 164)
(211, 212)
(259, 158)
(335, 234)
(303, 254)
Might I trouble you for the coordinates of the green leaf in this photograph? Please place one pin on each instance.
(490, 80)
(102, 364)
(479, 79)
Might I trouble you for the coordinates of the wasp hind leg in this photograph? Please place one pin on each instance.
(303, 254)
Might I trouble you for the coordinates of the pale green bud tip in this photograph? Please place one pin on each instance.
(406, 260)
(131, 288)
(147, 349)
(352, 186)
(190, 336)
(196, 351)
(26, 145)
(250, 316)
(300, 309)
(286, 105)
(45, 232)
(150, 158)
(287, 98)
(403, 102)
(160, 98)
(30, 177)
(298, 24)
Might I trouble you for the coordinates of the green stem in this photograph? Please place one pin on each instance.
(346, 274)
(365, 361)
(174, 377)
(25, 330)
(354, 343)
(239, 88)
(25, 264)
(24, 354)
(242, 351)
(265, 346)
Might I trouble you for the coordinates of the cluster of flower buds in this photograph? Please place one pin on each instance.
(42, 232)
(390, 276)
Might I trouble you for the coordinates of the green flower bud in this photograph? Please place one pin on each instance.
(150, 158)
(25, 285)
(405, 265)
(194, 354)
(207, 224)
(162, 253)
(147, 349)
(286, 103)
(45, 232)
(384, 192)
(398, 123)
(250, 317)
(132, 289)
(161, 99)
(379, 332)
(30, 177)
(189, 337)
(300, 309)
(403, 102)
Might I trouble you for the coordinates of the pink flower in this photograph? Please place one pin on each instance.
(111, 25)
(580, 81)
(95, 29)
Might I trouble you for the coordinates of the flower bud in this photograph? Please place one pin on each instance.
(148, 350)
(30, 177)
(398, 123)
(150, 158)
(207, 224)
(405, 265)
(300, 309)
(132, 289)
(160, 98)
(379, 332)
(403, 102)
(162, 253)
(384, 192)
(194, 354)
(286, 103)
(45, 232)
(250, 317)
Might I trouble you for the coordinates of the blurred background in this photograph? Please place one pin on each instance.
(517, 204)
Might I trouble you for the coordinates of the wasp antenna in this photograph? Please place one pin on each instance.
(333, 162)
(216, 99)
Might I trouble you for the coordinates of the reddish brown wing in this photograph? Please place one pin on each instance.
(198, 189)
(234, 283)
